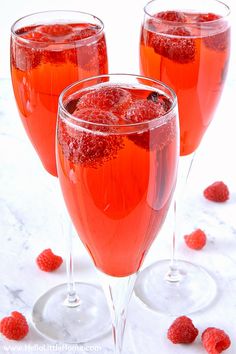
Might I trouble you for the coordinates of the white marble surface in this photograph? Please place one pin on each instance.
(29, 223)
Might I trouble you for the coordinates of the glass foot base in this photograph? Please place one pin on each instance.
(195, 291)
(77, 324)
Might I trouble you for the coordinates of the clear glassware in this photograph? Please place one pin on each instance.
(49, 51)
(179, 43)
(117, 174)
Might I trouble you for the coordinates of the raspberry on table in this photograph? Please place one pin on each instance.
(215, 340)
(14, 327)
(48, 261)
(217, 192)
(196, 240)
(182, 331)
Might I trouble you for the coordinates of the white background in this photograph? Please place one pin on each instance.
(122, 19)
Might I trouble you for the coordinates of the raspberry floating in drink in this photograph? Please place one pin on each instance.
(142, 110)
(173, 16)
(150, 110)
(175, 45)
(112, 105)
(206, 17)
(55, 30)
(84, 147)
(113, 99)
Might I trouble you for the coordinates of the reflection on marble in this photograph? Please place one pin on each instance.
(30, 222)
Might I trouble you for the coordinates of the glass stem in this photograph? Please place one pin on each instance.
(185, 164)
(72, 299)
(118, 291)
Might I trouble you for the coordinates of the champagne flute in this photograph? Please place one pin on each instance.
(187, 46)
(50, 50)
(117, 152)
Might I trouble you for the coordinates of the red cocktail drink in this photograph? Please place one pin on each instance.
(45, 58)
(189, 51)
(117, 157)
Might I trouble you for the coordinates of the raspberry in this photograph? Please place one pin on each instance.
(217, 192)
(144, 110)
(174, 45)
(92, 56)
(90, 149)
(15, 326)
(55, 30)
(71, 105)
(95, 115)
(196, 240)
(25, 56)
(207, 17)
(173, 16)
(48, 261)
(182, 331)
(218, 41)
(56, 33)
(157, 97)
(79, 33)
(215, 340)
(113, 99)
(87, 56)
(36, 37)
(63, 33)
(22, 58)
(28, 56)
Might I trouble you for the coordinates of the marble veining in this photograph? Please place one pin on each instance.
(30, 222)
